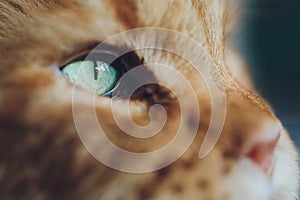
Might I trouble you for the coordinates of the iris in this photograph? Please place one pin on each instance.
(92, 75)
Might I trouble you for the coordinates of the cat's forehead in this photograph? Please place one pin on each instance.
(51, 32)
(76, 23)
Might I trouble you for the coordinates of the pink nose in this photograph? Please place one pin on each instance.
(262, 154)
(262, 146)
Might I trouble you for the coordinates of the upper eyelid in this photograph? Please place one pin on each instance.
(91, 48)
(77, 50)
(84, 55)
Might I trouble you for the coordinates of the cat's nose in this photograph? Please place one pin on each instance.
(250, 130)
(261, 148)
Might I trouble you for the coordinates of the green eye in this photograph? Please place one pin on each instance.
(92, 75)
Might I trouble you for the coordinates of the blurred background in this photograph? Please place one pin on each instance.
(269, 40)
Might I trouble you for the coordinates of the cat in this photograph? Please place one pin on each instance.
(48, 146)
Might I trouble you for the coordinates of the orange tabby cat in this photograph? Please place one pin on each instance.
(48, 146)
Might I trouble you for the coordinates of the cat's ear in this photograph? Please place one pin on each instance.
(239, 68)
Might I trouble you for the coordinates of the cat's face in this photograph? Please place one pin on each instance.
(47, 126)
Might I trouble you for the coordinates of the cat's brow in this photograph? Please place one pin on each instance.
(126, 13)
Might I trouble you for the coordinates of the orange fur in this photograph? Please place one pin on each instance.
(42, 156)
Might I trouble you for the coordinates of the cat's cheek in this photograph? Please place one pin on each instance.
(245, 176)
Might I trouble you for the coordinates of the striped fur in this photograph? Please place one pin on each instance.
(42, 156)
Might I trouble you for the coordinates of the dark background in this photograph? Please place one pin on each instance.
(269, 40)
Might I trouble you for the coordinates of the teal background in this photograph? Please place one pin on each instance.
(269, 40)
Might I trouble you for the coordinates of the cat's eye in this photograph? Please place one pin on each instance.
(93, 74)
